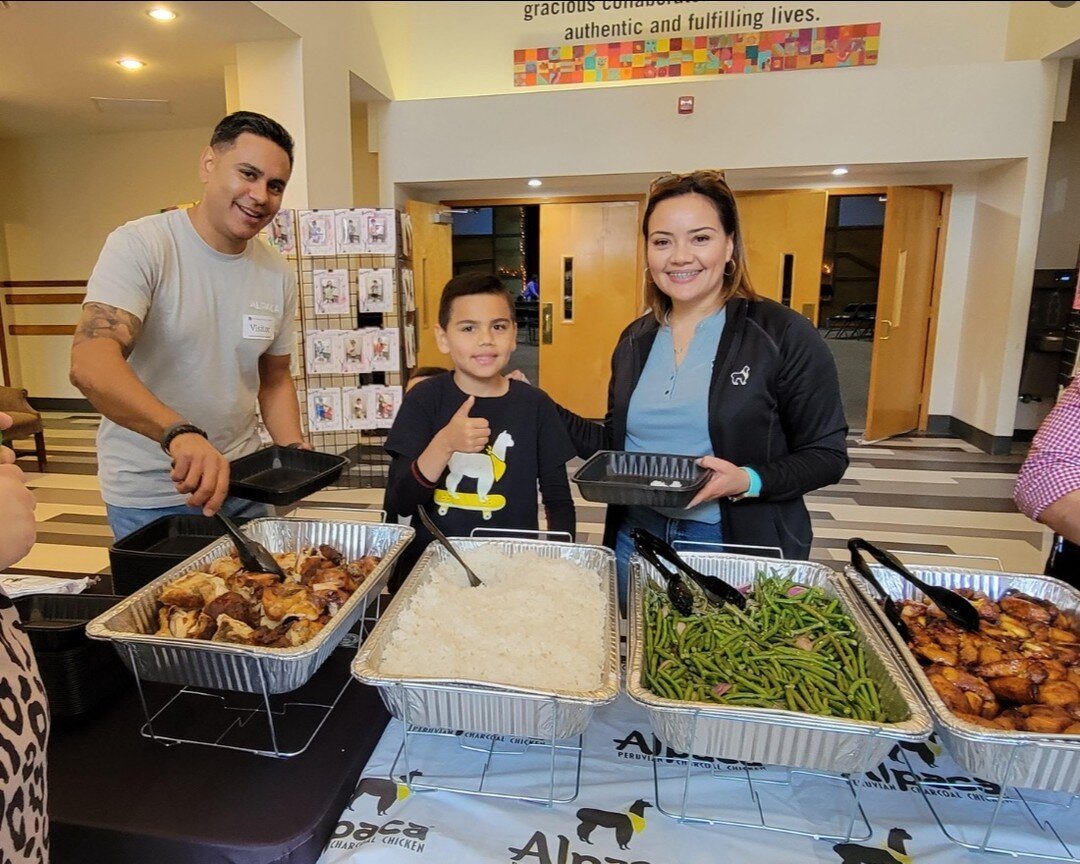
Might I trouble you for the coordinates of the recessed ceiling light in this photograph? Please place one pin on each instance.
(536, 182)
(130, 63)
(839, 172)
(160, 13)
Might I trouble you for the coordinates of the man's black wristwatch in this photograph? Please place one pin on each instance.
(181, 428)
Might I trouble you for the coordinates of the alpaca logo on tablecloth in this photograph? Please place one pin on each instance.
(626, 824)
(893, 853)
(385, 790)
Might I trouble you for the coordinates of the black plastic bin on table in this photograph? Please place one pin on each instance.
(283, 475)
(79, 675)
(643, 479)
(147, 552)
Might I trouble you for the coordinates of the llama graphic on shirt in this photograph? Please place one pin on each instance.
(486, 468)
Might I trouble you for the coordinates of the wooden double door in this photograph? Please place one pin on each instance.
(784, 234)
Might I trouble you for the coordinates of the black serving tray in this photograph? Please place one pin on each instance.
(78, 674)
(281, 475)
(617, 477)
(147, 552)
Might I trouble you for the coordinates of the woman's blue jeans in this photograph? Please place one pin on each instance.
(671, 530)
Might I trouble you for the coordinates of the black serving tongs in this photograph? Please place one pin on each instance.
(716, 590)
(955, 607)
(254, 557)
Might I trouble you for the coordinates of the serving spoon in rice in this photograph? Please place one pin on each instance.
(474, 581)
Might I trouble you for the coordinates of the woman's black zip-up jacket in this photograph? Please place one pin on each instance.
(774, 406)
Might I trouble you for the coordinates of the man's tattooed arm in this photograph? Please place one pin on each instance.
(100, 321)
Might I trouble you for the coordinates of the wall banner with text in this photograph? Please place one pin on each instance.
(646, 57)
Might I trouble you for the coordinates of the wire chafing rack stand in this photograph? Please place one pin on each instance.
(769, 777)
(229, 720)
(1051, 814)
(422, 748)
(772, 781)
(553, 751)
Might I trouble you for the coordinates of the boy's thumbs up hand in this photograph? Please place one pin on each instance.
(465, 434)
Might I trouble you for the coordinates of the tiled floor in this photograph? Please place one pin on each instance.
(929, 496)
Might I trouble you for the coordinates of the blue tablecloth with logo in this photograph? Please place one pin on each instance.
(615, 818)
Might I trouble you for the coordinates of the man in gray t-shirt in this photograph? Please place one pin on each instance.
(187, 323)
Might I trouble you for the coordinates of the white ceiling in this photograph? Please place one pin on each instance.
(55, 56)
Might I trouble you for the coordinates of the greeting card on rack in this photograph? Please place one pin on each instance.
(376, 290)
(406, 235)
(410, 346)
(323, 352)
(387, 403)
(356, 351)
(324, 409)
(316, 232)
(331, 292)
(358, 404)
(380, 232)
(280, 232)
(350, 231)
(385, 351)
(408, 292)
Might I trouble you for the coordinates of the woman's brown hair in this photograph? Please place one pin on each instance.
(710, 184)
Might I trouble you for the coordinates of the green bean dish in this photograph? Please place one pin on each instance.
(792, 648)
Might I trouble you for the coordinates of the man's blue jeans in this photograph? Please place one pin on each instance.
(124, 520)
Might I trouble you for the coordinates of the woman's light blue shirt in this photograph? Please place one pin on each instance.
(669, 408)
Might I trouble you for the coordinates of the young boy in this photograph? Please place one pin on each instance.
(471, 447)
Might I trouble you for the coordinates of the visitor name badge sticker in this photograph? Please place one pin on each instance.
(259, 327)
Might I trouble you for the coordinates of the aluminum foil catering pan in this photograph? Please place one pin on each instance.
(1033, 760)
(776, 736)
(479, 707)
(248, 668)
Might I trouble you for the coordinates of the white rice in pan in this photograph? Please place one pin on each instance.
(535, 622)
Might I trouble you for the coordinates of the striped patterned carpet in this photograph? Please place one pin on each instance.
(930, 497)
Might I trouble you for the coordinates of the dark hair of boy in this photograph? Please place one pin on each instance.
(467, 284)
(236, 124)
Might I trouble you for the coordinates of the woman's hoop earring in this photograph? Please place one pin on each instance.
(734, 267)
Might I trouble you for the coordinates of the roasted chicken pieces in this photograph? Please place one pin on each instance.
(1020, 671)
(230, 604)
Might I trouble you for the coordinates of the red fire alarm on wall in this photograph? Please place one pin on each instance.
(686, 104)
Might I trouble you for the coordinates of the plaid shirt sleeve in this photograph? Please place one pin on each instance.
(1052, 468)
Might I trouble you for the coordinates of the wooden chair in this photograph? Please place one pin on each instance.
(26, 422)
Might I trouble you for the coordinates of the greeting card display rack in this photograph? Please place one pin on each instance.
(364, 447)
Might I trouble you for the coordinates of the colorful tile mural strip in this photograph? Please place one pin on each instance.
(726, 54)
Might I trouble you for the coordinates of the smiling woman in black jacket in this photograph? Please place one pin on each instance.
(716, 372)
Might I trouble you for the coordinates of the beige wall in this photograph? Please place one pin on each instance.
(485, 34)
(1038, 30)
(985, 322)
(365, 164)
(1059, 237)
(62, 196)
